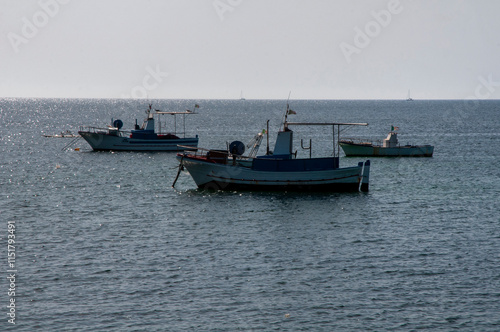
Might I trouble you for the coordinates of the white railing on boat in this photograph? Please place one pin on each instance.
(202, 152)
(119, 132)
(361, 141)
(100, 130)
(215, 155)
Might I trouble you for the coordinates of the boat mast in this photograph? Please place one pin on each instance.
(338, 141)
(159, 125)
(333, 135)
(267, 134)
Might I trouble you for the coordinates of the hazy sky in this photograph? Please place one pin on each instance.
(324, 49)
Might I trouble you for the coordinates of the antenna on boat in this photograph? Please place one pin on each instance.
(287, 109)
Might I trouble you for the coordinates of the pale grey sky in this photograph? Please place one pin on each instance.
(324, 49)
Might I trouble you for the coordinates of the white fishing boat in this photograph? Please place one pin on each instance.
(280, 170)
(390, 147)
(143, 138)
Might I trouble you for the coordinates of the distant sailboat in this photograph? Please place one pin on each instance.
(409, 98)
(241, 96)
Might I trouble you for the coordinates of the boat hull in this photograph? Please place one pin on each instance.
(106, 142)
(217, 176)
(365, 150)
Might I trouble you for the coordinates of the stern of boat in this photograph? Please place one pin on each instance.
(365, 177)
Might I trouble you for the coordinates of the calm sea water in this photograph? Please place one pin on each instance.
(104, 243)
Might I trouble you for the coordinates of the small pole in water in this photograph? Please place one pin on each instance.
(181, 166)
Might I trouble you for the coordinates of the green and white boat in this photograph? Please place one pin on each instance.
(390, 147)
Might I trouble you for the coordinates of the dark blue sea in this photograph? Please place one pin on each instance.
(104, 243)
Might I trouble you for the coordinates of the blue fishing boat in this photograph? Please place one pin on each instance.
(279, 170)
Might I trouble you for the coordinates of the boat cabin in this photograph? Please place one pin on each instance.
(147, 130)
(391, 141)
